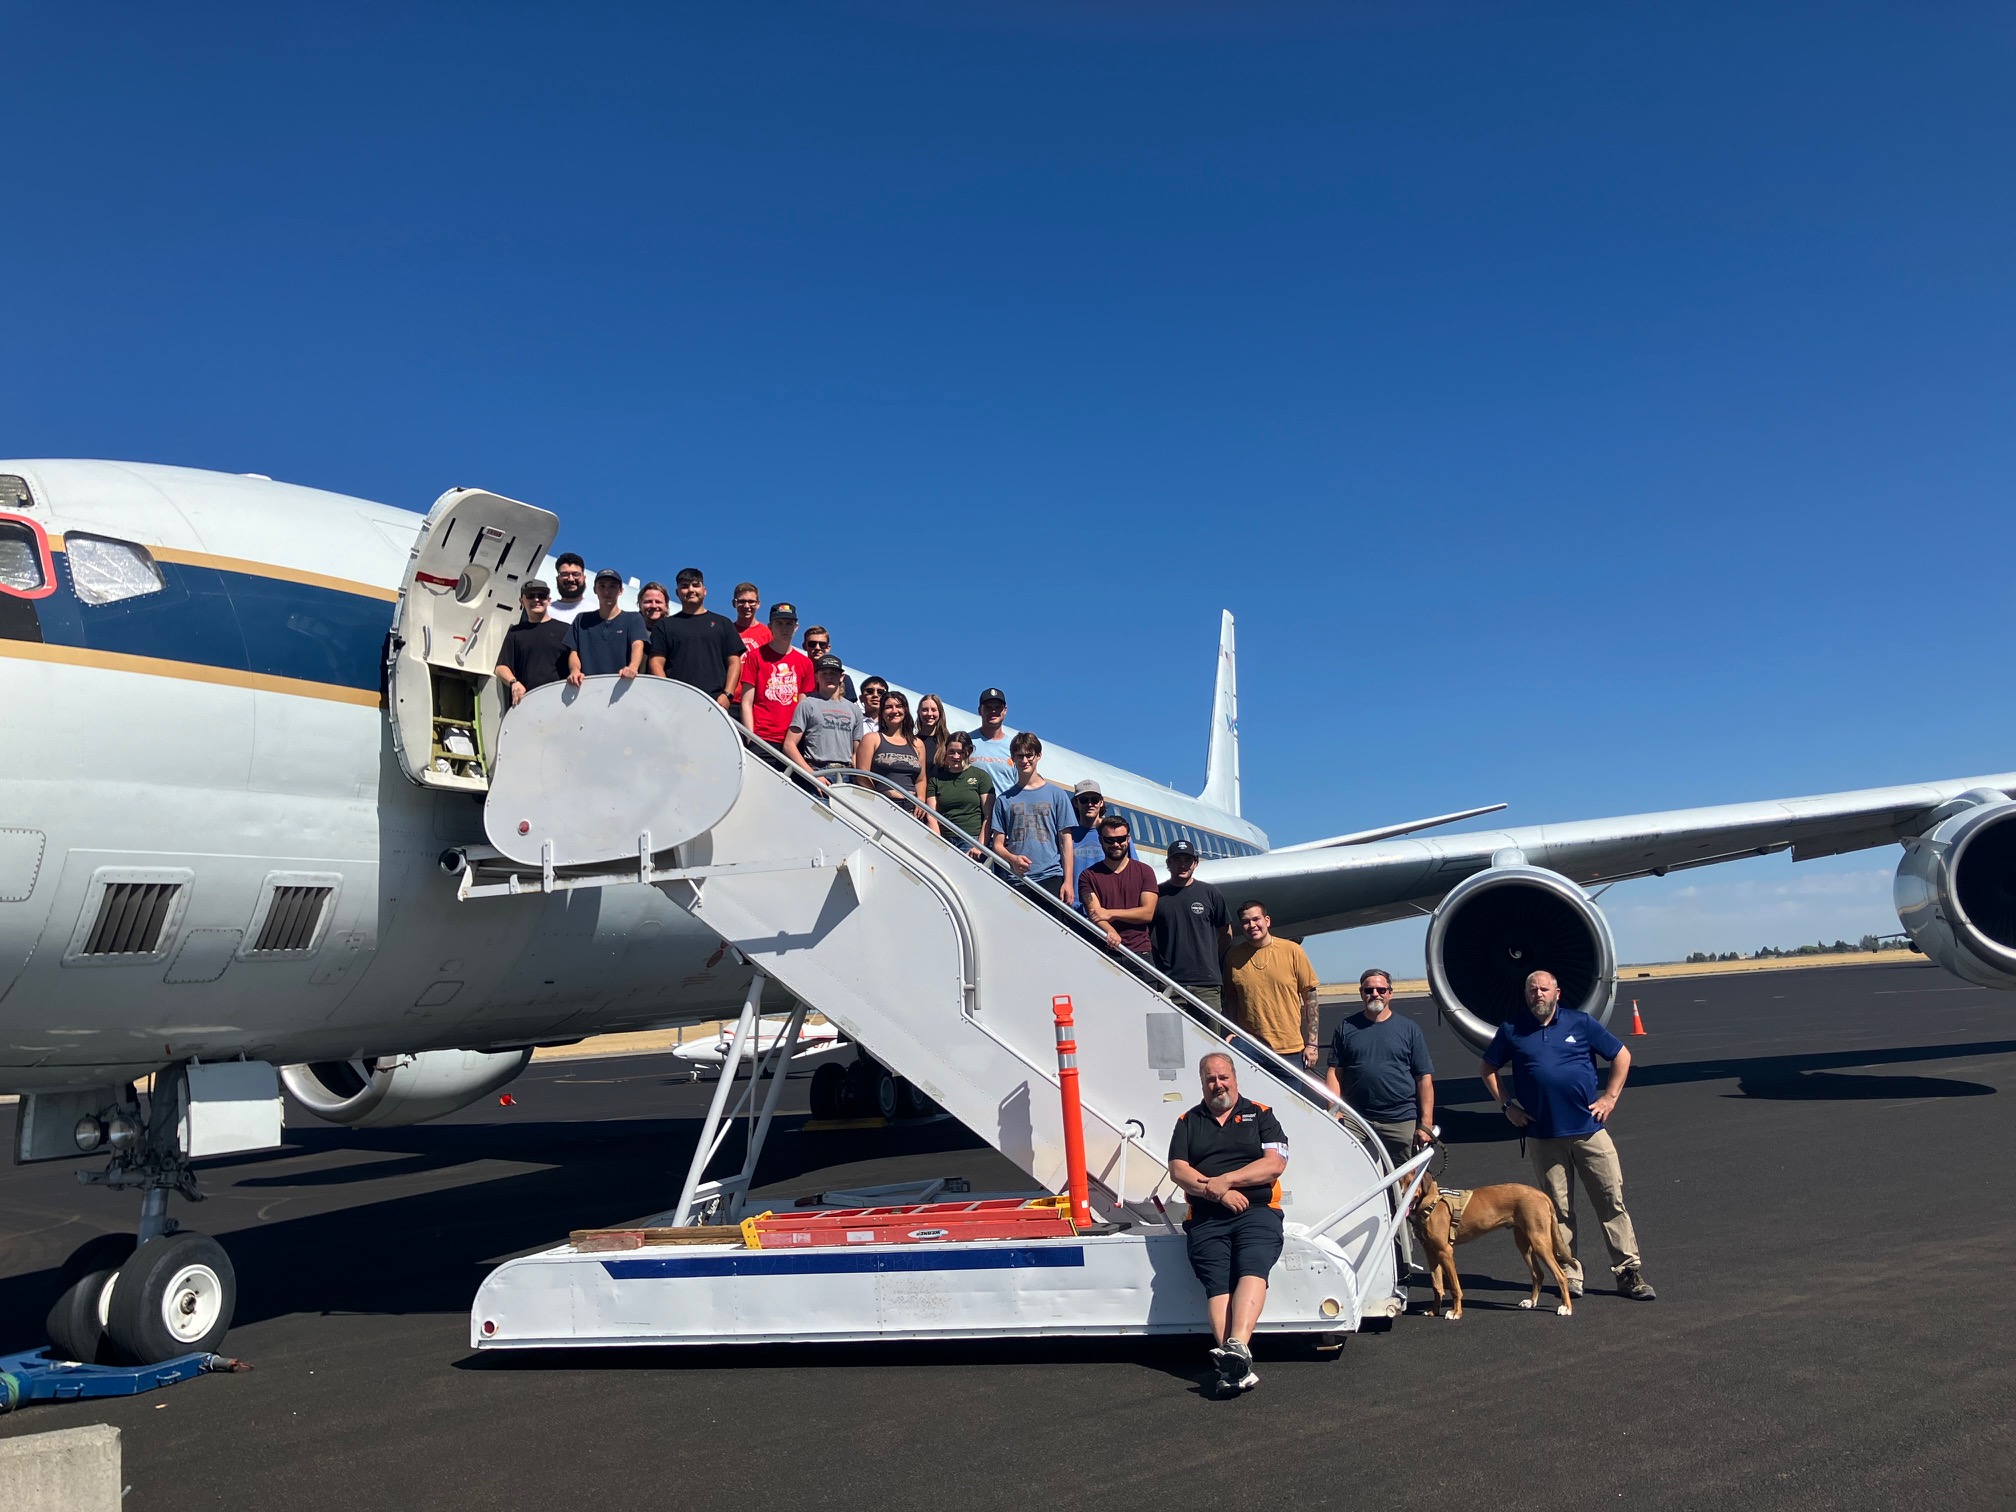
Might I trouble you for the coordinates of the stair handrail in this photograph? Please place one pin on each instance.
(1175, 992)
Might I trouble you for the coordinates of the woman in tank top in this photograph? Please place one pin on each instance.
(893, 752)
(931, 733)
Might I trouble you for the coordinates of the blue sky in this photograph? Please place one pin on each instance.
(1592, 408)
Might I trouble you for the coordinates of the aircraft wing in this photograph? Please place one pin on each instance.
(1346, 886)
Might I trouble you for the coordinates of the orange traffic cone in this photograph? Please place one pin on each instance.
(1637, 1023)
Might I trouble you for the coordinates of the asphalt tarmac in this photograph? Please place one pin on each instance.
(1821, 1178)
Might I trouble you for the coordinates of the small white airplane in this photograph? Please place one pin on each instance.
(249, 737)
(814, 1043)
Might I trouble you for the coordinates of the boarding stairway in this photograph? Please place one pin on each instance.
(938, 962)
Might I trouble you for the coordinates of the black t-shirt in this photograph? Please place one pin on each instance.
(1215, 1148)
(535, 653)
(696, 648)
(1186, 931)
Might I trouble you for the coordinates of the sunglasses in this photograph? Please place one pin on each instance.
(1375, 992)
(817, 645)
(1121, 839)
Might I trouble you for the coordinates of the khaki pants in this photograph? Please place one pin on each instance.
(1594, 1156)
(1399, 1142)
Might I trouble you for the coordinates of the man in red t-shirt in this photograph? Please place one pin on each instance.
(747, 602)
(774, 677)
(1119, 894)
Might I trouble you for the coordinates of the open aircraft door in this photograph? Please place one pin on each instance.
(459, 596)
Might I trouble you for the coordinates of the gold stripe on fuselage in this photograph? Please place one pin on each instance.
(155, 666)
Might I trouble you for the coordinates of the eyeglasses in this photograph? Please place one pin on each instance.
(1375, 992)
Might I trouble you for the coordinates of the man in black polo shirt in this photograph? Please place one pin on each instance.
(1227, 1156)
(696, 645)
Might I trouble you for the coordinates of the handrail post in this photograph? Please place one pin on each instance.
(1074, 1113)
(703, 1152)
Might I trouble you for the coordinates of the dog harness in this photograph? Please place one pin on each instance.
(1456, 1199)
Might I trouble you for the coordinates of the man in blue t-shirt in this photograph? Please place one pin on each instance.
(1031, 825)
(1552, 1052)
(608, 641)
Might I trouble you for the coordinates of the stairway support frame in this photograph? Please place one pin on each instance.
(697, 1195)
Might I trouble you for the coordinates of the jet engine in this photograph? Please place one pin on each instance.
(388, 1091)
(1956, 890)
(1496, 927)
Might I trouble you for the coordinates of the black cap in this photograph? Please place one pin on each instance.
(988, 694)
(1181, 850)
(610, 573)
(829, 664)
(534, 586)
(783, 610)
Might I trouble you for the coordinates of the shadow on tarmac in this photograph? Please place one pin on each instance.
(424, 1251)
(1789, 1077)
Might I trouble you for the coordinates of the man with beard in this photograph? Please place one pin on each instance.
(1227, 1155)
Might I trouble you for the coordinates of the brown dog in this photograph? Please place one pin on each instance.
(1523, 1209)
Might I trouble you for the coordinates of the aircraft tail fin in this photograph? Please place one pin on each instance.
(1221, 761)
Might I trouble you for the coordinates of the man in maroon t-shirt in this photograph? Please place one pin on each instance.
(774, 677)
(1119, 894)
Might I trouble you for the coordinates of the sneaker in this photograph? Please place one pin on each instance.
(1238, 1370)
(1632, 1283)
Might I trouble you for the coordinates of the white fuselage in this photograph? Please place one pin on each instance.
(228, 731)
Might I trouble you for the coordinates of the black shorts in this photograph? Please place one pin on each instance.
(1222, 1250)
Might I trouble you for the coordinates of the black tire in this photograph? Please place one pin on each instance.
(910, 1103)
(174, 1297)
(829, 1091)
(76, 1322)
(881, 1092)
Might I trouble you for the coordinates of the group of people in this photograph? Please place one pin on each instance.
(987, 788)
(1228, 1153)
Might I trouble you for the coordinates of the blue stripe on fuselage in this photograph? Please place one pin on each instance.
(233, 620)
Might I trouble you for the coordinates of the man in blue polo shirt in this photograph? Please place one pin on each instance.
(1553, 1053)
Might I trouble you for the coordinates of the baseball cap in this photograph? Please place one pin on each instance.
(1087, 787)
(535, 585)
(782, 610)
(610, 573)
(988, 695)
(830, 664)
(1181, 850)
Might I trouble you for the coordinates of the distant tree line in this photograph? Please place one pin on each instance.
(1867, 945)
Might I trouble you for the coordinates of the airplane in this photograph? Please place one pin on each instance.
(814, 1042)
(250, 734)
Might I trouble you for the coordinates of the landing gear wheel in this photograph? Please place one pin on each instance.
(829, 1091)
(76, 1323)
(880, 1088)
(174, 1297)
(910, 1102)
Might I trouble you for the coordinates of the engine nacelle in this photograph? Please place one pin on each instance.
(388, 1091)
(1496, 927)
(1956, 892)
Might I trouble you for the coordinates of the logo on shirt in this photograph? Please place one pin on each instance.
(783, 684)
(1571, 1039)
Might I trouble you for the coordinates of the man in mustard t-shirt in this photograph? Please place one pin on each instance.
(1270, 988)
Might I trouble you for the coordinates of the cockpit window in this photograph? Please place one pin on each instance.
(25, 570)
(106, 572)
(15, 493)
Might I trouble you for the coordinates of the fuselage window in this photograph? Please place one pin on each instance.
(25, 569)
(107, 572)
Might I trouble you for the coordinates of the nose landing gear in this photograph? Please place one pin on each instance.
(159, 1293)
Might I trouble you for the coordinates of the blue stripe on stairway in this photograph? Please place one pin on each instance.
(840, 1262)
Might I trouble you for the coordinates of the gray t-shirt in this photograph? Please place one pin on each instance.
(1377, 1065)
(828, 730)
